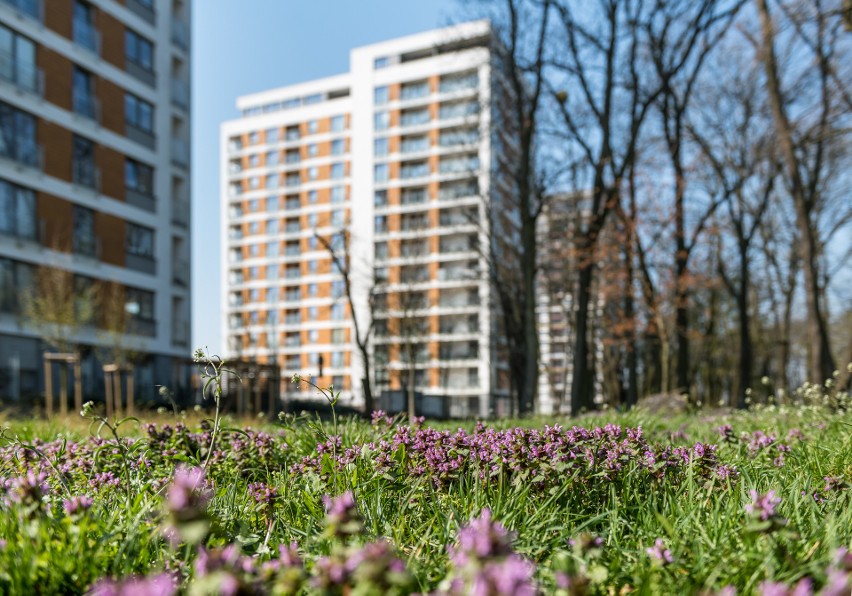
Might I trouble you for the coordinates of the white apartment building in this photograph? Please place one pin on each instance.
(394, 165)
(94, 180)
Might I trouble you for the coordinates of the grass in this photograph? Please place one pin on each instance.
(700, 516)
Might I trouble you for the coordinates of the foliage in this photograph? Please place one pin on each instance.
(754, 500)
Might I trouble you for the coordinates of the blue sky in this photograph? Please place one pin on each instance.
(244, 46)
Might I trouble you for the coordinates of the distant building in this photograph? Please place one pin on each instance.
(398, 160)
(94, 178)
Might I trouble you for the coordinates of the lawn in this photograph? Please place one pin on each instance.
(728, 502)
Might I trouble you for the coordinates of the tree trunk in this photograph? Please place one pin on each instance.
(746, 352)
(580, 369)
(820, 361)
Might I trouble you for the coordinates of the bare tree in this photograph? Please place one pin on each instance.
(806, 125)
(338, 247)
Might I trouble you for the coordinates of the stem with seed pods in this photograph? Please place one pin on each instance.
(212, 369)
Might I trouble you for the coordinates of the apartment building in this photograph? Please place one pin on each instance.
(94, 180)
(392, 165)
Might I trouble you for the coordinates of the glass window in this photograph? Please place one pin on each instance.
(380, 198)
(338, 146)
(312, 289)
(138, 50)
(138, 113)
(337, 123)
(337, 312)
(381, 120)
(83, 162)
(14, 277)
(83, 93)
(338, 335)
(18, 60)
(312, 197)
(313, 126)
(380, 172)
(18, 136)
(140, 241)
(338, 194)
(312, 266)
(338, 217)
(271, 135)
(144, 304)
(83, 239)
(380, 147)
(17, 211)
(271, 158)
(381, 95)
(381, 62)
(253, 160)
(313, 150)
(313, 220)
(138, 177)
(272, 249)
(83, 25)
(338, 170)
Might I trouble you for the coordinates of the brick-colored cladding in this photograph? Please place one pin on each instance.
(111, 231)
(58, 71)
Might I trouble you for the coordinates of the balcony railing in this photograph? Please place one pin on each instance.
(180, 93)
(27, 153)
(180, 152)
(180, 33)
(87, 105)
(30, 8)
(87, 36)
(26, 77)
(180, 212)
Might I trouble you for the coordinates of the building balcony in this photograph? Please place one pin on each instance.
(180, 93)
(180, 152)
(86, 36)
(180, 212)
(180, 33)
(24, 155)
(87, 105)
(33, 9)
(26, 78)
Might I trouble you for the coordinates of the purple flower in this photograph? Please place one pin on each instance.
(342, 518)
(481, 539)
(838, 584)
(763, 506)
(77, 504)
(29, 489)
(510, 576)
(188, 493)
(162, 584)
(659, 552)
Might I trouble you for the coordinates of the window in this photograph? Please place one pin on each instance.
(381, 250)
(414, 169)
(271, 158)
(143, 304)
(381, 62)
(253, 182)
(254, 205)
(272, 181)
(313, 266)
(312, 289)
(17, 211)
(313, 150)
(413, 144)
(271, 135)
(338, 146)
(337, 312)
(380, 198)
(272, 226)
(414, 117)
(381, 95)
(338, 194)
(292, 156)
(83, 162)
(458, 110)
(313, 220)
(381, 120)
(18, 63)
(254, 138)
(83, 239)
(313, 337)
(14, 277)
(338, 171)
(338, 336)
(313, 126)
(293, 179)
(83, 27)
(138, 113)
(380, 147)
(140, 241)
(414, 90)
(458, 82)
(138, 177)
(380, 173)
(338, 217)
(292, 133)
(337, 359)
(18, 136)
(313, 173)
(138, 50)
(338, 123)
